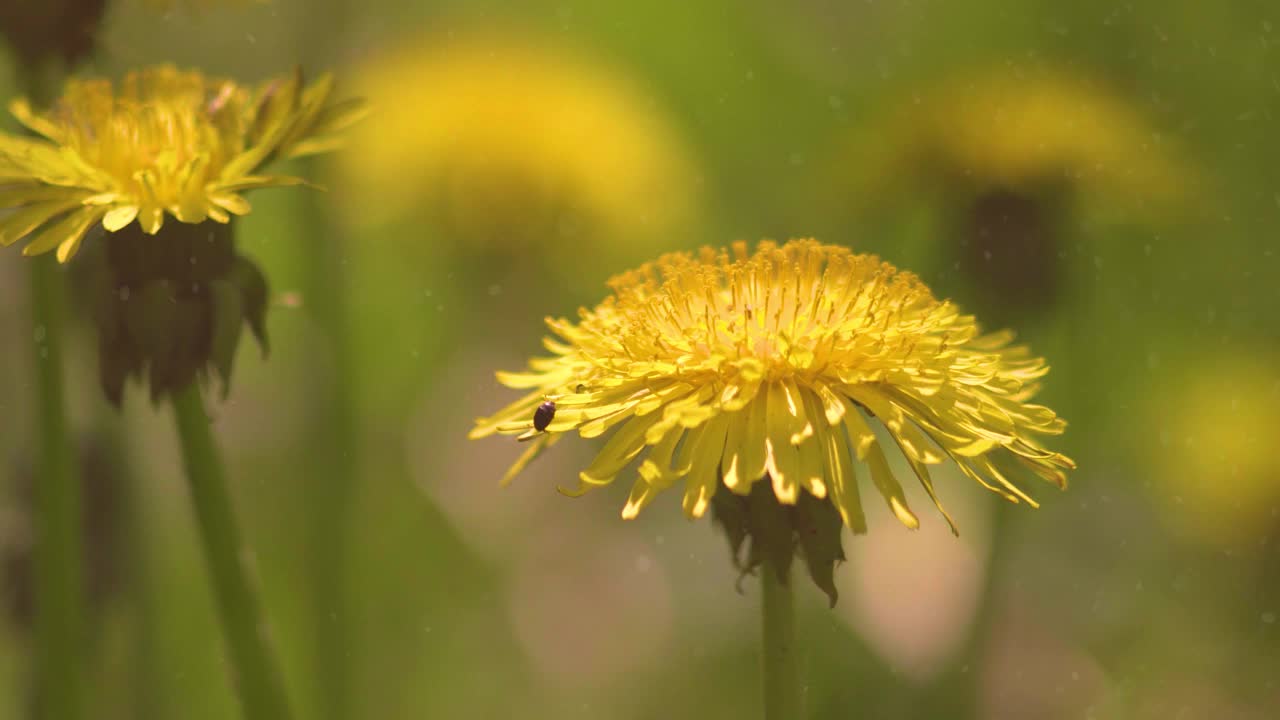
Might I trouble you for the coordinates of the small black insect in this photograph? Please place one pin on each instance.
(543, 416)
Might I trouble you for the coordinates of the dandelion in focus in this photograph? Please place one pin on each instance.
(1012, 159)
(507, 146)
(782, 374)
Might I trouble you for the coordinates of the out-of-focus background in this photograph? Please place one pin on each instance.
(1102, 177)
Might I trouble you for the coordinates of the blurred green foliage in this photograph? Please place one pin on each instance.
(470, 601)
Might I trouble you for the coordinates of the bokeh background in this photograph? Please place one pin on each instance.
(1101, 177)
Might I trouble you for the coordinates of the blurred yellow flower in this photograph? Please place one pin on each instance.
(732, 367)
(500, 142)
(165, 141)
(1215, 471)
(1011, 163)
(1010, 130)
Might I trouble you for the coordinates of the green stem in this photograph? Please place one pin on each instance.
(781, 675)
(257, 673)
(59, 612)
(334, 429)
(333, 433)
(138, 576)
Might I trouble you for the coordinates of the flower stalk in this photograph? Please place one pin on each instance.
(782, 699)
(59, 612)
(334, 431)
(257, 673)
(160, 160)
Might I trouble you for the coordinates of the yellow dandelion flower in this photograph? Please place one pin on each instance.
(164, 142)
(500, 141)
(768, 373)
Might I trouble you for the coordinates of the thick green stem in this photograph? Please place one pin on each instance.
(138, 576)
(256, 671)
(59, 670)
(334, 428)
(781, 674)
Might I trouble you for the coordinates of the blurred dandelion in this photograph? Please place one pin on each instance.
(1010, 130)
(509, 146)
(1214, 469)
(767, 372)
(1013, 158)
(166, 143)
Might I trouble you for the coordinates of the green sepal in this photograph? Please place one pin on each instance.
(115, 364)
(227, 307)
(772, 531)
(254, 296)
(187, 351)
(150, 313)
(729, 511)
(171, 307)
(763, 532)
(818, 526)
